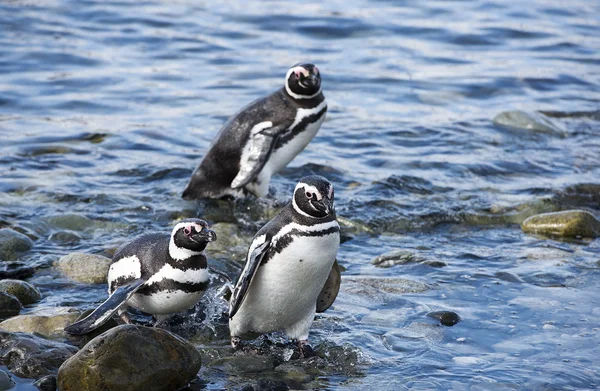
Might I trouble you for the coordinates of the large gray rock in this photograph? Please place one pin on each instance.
(86, 268)
(568, 223)
(131, 358)
(12, 243)
(24, 291)
(9, 305)
(29, 356)
(48, 322)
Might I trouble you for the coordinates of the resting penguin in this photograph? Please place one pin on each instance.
(262, 139)
(290, 270)
(155, 273)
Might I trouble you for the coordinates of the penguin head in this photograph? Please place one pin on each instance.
(192, 234)
(313, 197)
(303, 81)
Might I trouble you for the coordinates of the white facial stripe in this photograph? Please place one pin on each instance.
(180, 253)
(298, 69)
(125, 267)
(190, 276)
(304, 228)
(287, 87)
(309, 189)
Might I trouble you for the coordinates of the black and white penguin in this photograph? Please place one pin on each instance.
(290, 270)
(155, 273)
(262, 138)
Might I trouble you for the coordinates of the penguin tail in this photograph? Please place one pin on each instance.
(104, 312)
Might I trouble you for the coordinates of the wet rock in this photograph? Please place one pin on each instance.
(146, 358)
(48, 322)
(348, 226)
(245, 364)
(6, 383)
(396, 257)
(446, 318)
(46, 383)
(12, 243)
(81, 340)
(19, 270)
(67, 237)
(24, 291)
(85, 268)
(568, 223)
(73, 222)
(267, 385)
(9, 306)
(527, 121)
(230, 240)
(30, 356)
(374, 287)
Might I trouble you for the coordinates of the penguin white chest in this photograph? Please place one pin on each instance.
(284, 291)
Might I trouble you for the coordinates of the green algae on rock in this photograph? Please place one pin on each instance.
(85, 268)
(24, 291)
(568, 223)
(146, 358)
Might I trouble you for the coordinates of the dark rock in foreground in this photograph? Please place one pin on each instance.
(46, 383)
(29, 356)
(9, 305)
(568, 223)
(131, 358)
(24, 291)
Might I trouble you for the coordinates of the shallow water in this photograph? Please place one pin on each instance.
(105, 110)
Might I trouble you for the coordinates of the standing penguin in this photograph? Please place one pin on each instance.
(262, 138)
(155, 273)
(290, 270)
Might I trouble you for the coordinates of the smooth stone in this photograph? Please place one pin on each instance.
(19, 270)
(73, 222)
(527, 121)
(46, 383)
(396, 257)
(244, 364)
(446, 318)
(24, 291)
(81, 340)
(568, 223)
(229, 240)
(67, 237)
(146, 358)
(85, 268)
(6, 382)
(49, 322)
(13, 243)
(9, 305)
(30, 356)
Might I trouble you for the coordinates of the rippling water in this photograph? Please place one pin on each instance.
(106, 108)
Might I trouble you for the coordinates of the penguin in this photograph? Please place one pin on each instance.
(155, 273)
(261, 139)
(291, 270)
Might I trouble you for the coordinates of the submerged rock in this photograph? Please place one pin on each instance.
(6, 383)
(69, 221)
(374, 286)
(24, 291)
(396, 257)
(46, 383)
(528, 121)
(48, 322)
(13, 243)
(231, 241)
(244, 364)
(446, 318)
(9, 306)
(568, 223)
(30, 356)
(85, 268)
(146, 358)
(18, 270)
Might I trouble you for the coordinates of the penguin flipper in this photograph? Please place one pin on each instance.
(330, 289)
(263, 137)
(255, 256)
(103, 313)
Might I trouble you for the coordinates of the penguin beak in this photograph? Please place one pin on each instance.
(325, 205)
(204, 236)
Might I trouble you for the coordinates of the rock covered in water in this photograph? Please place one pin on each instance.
(12, 243)
(15, 270)
(85, 268)
(446, 318)
(528, 121)
(48, 322)
(6, 383)
(568, 223)
(24, 291)
(9, 306)
(396, 257)
(231, 240)
(146, 358)
(30, 356)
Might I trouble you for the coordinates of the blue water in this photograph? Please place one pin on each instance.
(106, 108)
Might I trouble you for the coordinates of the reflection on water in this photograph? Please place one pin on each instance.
(106, 108)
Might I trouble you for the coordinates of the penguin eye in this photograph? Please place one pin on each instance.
(309, 195)
(187, 231)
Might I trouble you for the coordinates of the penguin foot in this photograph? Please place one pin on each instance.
(305, 350)
(125, 318)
